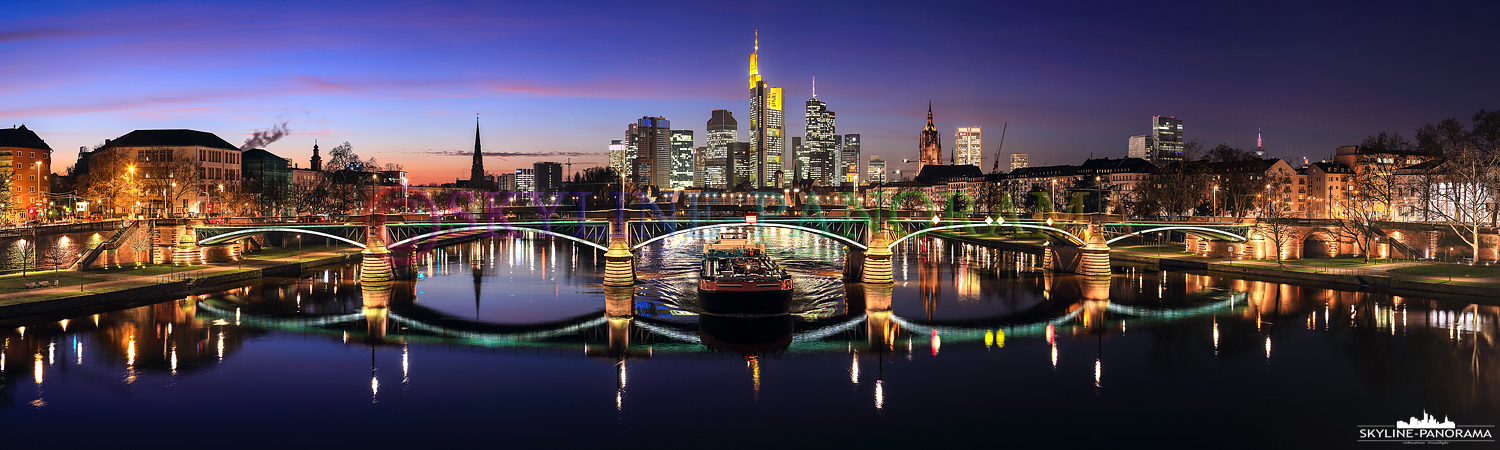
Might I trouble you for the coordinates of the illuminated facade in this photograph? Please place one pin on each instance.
(723, 130)
(617, 155)
(849, 158)
(525, 180)
(741, 164)
(1166, 137)
(930, 147)
(876, 169)
(1139, 147)
(682, 160)
(651, 139)
(1019, 161)
(767, 130)
(822, 152)
(28, 160)
(181, 171)
(966, 147)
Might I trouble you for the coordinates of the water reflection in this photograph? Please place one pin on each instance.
(969, 321)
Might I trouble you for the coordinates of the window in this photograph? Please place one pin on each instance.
(202, 155)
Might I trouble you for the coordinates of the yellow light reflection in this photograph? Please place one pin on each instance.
(879, 394)
(854, 370)
(36, 369)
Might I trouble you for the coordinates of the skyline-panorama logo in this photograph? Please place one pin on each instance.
(1426, 430)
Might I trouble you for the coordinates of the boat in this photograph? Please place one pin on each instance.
(738, 276)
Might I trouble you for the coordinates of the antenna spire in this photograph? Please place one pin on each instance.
(815, 87)
(757, 41)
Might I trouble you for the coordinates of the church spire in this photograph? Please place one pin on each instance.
(476, 173)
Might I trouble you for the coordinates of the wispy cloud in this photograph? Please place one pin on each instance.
(504, 155)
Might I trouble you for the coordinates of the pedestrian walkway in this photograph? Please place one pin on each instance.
(1378, 269)
(114, 280)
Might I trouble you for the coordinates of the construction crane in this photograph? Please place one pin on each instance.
(999, 150)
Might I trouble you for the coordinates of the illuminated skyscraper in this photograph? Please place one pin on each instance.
(651, 137)
(966, 148)
(682, 159)
(526, 180)
(1140, 147)
(617, 155)
(1166, 134)
(877, 170)
(741, 166)
(849, 158)
(723, 130)
(822, 152)
(767, 131)
(1019, 160)
(930, 147)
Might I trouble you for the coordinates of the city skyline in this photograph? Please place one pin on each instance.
(533, 74)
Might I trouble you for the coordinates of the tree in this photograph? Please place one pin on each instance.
(1466, 183)
(1175, 188)
(7, 196)
(168, 174)
(343, 158)
(112, 180)
(1239, 176)
(1275, 210)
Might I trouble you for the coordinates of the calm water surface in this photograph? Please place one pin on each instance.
(507, 342)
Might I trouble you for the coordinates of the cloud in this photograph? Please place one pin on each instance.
(504, 155)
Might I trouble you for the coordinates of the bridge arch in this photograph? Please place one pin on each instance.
(1199, 231)
(226, 237)
(845, 240)
(489, 227)
(1073, 238)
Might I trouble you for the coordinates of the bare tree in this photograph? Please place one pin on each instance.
(1175, 189)
(7, 197)
(112, 180)
(168, 174)
(1466, 184)
(1275, 208)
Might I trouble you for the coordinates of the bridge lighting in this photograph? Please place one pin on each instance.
(1049, 221)
(989, 221)
(935, 220)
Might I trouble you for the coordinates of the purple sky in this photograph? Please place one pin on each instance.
(402, 81)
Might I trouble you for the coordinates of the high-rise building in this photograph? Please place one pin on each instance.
(681, 160)
(1140, 147)
(799, 157)
(476, 171)
(822, 151)
(526, 180)
(767, 130)
(741, 165)
(1166, 134)
(723, 130)
(877, 170)
(651, 138)
(700, 162)
(546, 176)
(967, 148)
(506, 182)
(617, 155)
(849, 157)
(930, 147)
(1018, 161)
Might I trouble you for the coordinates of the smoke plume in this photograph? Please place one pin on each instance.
(263, 138)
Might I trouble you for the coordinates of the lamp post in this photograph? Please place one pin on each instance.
(1216, 200)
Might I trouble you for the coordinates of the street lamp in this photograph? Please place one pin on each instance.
(1216, 200)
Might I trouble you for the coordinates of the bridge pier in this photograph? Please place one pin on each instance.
(186, 253)
(619, 261)
(375, 267)
(854, 264)
(879, 329)
(876, 267)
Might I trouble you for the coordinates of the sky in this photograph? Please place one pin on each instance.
(555, 81)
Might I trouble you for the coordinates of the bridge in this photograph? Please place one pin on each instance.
(1073, 243)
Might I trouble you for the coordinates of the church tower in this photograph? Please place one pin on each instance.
(476, 173)
(930, 150)
(317, 161)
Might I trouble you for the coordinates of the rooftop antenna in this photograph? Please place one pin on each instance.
(815, 87)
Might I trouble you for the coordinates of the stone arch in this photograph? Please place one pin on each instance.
(1318, 243)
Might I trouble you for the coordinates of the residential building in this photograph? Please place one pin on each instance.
(180, 170)
(967, 148)
(28, 159)
(1329, 186)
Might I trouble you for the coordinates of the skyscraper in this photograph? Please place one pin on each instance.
(722, 131)
(930, 147)
(822, 152)
(546, 176)
(700, 162)
(652, 139)
(800, 159)
(849, 157)
(1140, 147)
(1166, 132)
(967, 148)
(617, 155)
(741, 168)
(767, 131)
(476, 172)
(877, 169)
(526, 180)
(681, 160)
(1018, 160)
